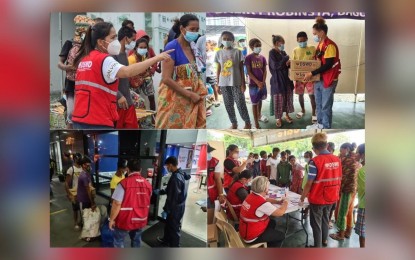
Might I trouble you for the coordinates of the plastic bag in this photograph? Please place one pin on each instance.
(91, 221)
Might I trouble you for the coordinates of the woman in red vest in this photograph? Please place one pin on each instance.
(328, 53)
(238, 191)
(254, 223)
(232, 166)
(96, 82)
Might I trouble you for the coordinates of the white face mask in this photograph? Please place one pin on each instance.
(235, 156)
(114, 47)
(306, 160)
(82, 36)
(142, 52)
(256, 160)
(130, 46)
(257, 50)
(242, 44)
(227, 44)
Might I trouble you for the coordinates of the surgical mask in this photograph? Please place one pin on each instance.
(281, 47)
(257, 50)
(209, 157)
(191, 36)
(316, 38)
(114, 47)
(227, 44)
(242, 44)
(235, 156)
(306, 160)
(142, 52)
(302, 44)
(130, 46)
(83, 36)
(256, 160)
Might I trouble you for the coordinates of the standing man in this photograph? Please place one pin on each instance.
(322, 188)
(84, 190)
(130, 206)
(284, 170)
(272, 166)
(176, 192)
(71, 182)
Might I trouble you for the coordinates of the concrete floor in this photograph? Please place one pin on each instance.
(63, 234)
(346, 115)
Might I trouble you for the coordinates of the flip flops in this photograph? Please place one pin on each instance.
(299, 115)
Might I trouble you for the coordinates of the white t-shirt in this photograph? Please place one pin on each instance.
(110, 68)
(273, 163)
(210, 64)
(76, 172)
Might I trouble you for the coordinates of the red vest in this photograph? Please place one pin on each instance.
(330, 75)
(212, 190)
(228, 176)
(326, 186)
(250, 226)
(95, 100)
(136, 203)
(235, 201)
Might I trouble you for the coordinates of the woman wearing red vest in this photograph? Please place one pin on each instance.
(328, 53)
(322, 188)
(214, 183)
(238, 191)
(96, 82)
(232, 166)
(254, 223)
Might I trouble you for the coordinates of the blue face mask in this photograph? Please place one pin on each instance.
(191, 36)
(257, 50)
(316, 38)
(281, 47)
(226, 44)
(209, 157)
(142, 52)
(302, 44)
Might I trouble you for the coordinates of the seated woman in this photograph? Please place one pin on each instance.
(255, 225)
(238, 191)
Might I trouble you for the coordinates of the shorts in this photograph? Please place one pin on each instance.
(360, 226)
(300, 86)
(210, 204)
(256, 94)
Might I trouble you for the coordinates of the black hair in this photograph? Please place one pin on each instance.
(331, 145)
(290, 157)
(134, 165)
(276, 38)
(256, 154)
(98, 20)
(140, 41)
(183, 21)
(230, 34)
(321, 25)
(77, 158)
(310, 153)
(275, 149)
(288, 152)
(171, 160)
(283, 153)
(230, 148)
(251, 153)
(125, 31)
(262, 153)
(127, 22)
(244, 174)
(93, 34)
(354, 146)
(346, 146)
(122, 163)
(85, 159)
(361, 149)
(302, 34)
(253, 41)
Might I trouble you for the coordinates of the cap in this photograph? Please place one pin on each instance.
(210, 148)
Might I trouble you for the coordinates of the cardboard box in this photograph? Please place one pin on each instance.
(299, 75)
(305, 65)
(72, 195)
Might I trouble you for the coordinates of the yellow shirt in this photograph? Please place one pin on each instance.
(306, 53)
(115, 180)
(330, 51)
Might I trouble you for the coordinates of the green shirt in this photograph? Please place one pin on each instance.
(305, 178)
(283, 171)
(361, 187)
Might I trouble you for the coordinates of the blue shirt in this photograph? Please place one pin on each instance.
(312, 171)
(177, 55)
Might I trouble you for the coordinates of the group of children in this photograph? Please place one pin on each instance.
(228, 78)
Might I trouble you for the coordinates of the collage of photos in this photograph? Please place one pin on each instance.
(147, 149)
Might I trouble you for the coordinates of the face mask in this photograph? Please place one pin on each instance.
(209, 157)
(142, 52)
(302, 44)
(316, 38)
(242, 44)
(227, 44)
(235, 156)
(257, 50)
(130, 46)
(307, 160)
(281, 47)
(64, 97)
(256, 160)
(83, 36)
(124, 173)
(114, 47)
(191, 36)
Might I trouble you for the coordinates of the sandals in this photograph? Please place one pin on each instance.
(314, 119)
(336, 236)
(299, 115)
(234, 126)
(279, 123)
(288, 119)
(209, 112)
(248, 126)
(348, 233)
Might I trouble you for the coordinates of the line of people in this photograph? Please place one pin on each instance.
(229, 78)
(330, 183)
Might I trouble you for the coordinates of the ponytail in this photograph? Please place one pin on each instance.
(244, 174)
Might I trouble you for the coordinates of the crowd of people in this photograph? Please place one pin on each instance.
(130, 200)
(108, 73)
(330, 182)
(228, 64)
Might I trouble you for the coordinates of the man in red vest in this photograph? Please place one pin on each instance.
(328, 53)
(130, 206)
(322, 188)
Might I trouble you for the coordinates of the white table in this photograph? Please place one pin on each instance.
(293, 206)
